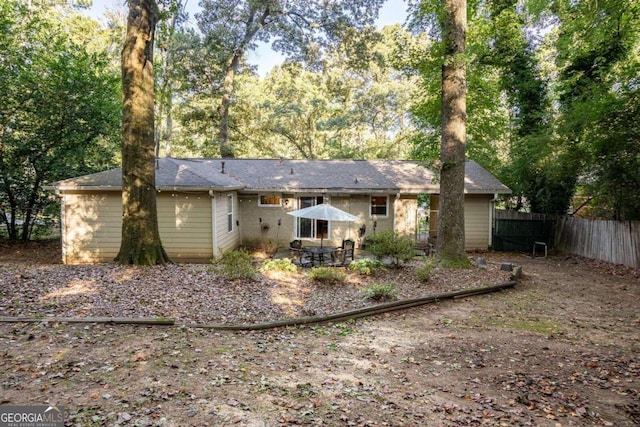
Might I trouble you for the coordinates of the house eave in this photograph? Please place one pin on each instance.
(185, 189)
(252, 190)
(114, 188)
(68, 188)
(489, 192)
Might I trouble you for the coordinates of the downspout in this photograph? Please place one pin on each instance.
(492, 206)
(214, 234)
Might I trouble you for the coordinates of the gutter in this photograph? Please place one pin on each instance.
(159, 189)
(297, 190)
(492, 208)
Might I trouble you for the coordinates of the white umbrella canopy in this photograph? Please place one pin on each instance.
(324, 211)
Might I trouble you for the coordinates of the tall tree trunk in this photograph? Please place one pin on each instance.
(140, 235)
(226, 149)
(252, 28)
(451, 238)
(30, 209)
(165, 107)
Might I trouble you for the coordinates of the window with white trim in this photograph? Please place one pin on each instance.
(270, 200)
(379, 206)
(229, 212)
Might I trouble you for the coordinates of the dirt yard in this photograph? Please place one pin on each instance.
(562, 348)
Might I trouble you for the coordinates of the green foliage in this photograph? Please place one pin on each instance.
(328, 274)
(45, 229)
(545, 114)
(616, 173)
(234, 265)
(231, 28)
(352, 105)
(366, 266)
(344, 329)
(346, 111)
(61, 108)
(381, 291)
(388, 244)
(280, 264)
(424, 271)
(456, 263)
(487, 123)
(598, 93)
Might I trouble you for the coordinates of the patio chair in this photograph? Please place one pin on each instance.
(348, 246)
(299, 255)
(338, 258)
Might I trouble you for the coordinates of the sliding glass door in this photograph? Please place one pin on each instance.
(307, 228)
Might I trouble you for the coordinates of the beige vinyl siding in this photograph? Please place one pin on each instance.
(476, 220)
(93, 227)
(184, 221)
(225, 239)
(406, 212)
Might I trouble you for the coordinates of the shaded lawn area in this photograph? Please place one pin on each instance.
(562, 348)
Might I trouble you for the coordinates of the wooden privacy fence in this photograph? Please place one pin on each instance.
(617, 242)
(517, 231)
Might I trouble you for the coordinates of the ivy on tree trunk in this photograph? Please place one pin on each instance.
(451, 238)
(140, 235)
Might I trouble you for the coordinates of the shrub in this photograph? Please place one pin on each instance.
(266, 246)
(455, 263)
(280, 264)
(366, 266)
(381, 291)
(389, 245)
(328, 274)
(424, 272)
(234, 264)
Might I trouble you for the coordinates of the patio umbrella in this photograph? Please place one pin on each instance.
(325, 212)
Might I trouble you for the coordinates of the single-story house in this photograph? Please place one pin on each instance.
(206, 206)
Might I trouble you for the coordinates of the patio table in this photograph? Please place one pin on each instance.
(318, 253)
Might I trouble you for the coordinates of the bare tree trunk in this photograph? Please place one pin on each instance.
(165, 107)
(451, 238)
(140, 235)
(252, 28)
(226, 149)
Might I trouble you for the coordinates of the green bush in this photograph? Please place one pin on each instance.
(381, 291)
(280, 264)
(389, 245)
(234, 264)
(366, 266)
(328, 274)
(458, 263)
(424, 272)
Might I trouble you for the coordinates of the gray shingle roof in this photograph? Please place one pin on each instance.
(265, 175)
